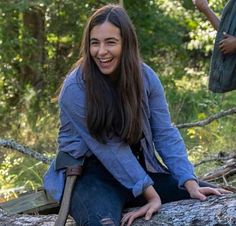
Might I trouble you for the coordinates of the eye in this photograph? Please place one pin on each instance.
(111, 42)
(93, 42)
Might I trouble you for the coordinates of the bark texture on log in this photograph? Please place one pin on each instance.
(217, 210)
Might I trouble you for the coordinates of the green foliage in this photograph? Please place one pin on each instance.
(39, 42)
(17, 171)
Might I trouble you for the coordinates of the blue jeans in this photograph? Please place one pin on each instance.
(98, 198)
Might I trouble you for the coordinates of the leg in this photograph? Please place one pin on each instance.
(97, 199)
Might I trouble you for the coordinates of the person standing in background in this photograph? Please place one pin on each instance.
(223, 63)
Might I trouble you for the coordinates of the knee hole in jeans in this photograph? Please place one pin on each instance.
(107, 222)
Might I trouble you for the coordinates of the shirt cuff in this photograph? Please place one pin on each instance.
(140, 186)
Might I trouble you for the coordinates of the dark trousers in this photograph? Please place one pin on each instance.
(98, 198)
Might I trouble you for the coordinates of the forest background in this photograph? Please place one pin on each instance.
(39, 42)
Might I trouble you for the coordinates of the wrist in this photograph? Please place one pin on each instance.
(191, 185)
(150, 193)
(206, 10)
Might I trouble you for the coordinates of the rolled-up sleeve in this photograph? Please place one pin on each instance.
(115, 155)
(166, 137)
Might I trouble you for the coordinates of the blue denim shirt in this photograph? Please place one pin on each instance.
(160, 137)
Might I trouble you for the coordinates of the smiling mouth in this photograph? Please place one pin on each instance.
(105, 61)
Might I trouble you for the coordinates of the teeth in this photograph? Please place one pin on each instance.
(105, 60)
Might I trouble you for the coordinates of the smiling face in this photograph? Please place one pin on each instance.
(106, 47)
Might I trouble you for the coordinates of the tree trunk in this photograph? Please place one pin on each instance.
(33, 52)
(217, 210)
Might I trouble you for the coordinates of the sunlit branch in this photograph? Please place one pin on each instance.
(216, 159)
(207, 120)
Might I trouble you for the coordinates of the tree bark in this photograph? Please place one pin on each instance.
(217, 210)
(33, 53)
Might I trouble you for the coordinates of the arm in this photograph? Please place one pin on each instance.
(202, 6)
(170, 145)
(166, 137)
(68, 140)
(164, 134)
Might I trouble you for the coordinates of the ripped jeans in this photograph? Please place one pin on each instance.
(98, 198)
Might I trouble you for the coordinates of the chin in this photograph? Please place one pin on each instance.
(107, 72)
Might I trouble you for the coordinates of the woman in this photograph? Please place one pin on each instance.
(112, 110)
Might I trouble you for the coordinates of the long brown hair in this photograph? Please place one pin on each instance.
(107, 103)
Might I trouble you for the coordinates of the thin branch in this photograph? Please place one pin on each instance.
(218, 174)
(11, 144)
(208, 120)
(212, 159)
(229, 168)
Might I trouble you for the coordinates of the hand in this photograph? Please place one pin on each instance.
(202, 5)
(201, 193)
(147, 210)
(228, 44)
(152, 206)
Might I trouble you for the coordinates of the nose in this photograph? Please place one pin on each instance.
(102, 50)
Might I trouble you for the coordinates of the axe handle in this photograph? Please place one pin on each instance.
(72, 174)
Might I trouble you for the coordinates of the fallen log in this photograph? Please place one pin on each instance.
(216, 210)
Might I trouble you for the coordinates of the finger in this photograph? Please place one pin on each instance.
(222, 49)
(141, 212)
(215, 192)
(131, 220)
(221, 42)
(149, 214)
(125, 218)
(127, 215)
(222, 45)
(210, 191)
(225, 35)
(131, 216)
(224, 191)
(123, 221)
(199, 196)
(226, 51)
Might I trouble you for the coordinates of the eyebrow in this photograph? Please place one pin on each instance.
(106, 39)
